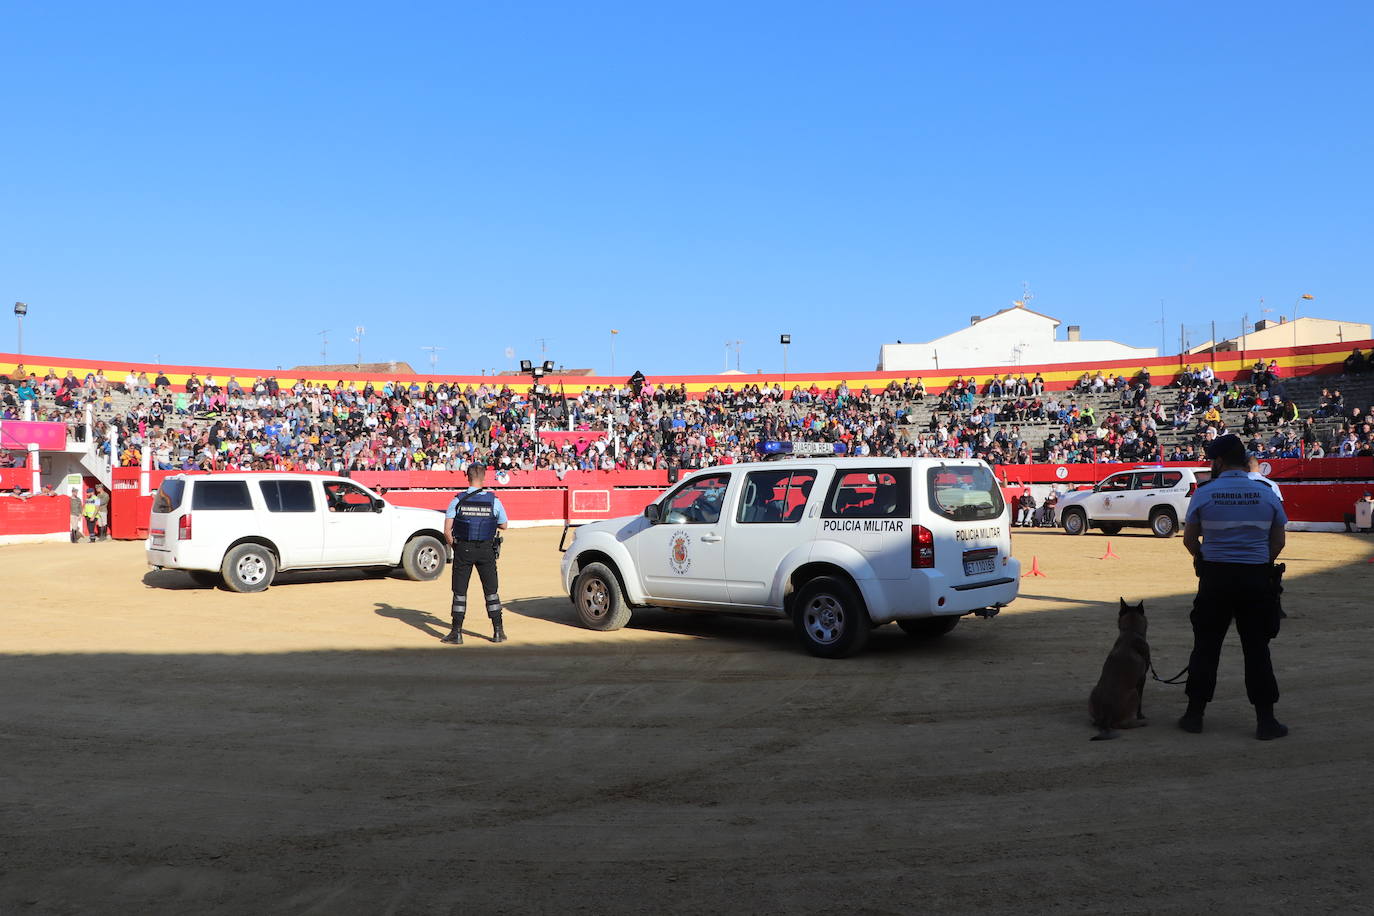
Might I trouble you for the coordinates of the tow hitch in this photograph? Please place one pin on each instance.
(987, 613)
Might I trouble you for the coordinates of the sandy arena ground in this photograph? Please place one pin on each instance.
(314, 749)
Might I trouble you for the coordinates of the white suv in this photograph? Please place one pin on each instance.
(241, 528)
(1154, 498)
(836, 545)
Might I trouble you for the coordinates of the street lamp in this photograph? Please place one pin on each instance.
(20, 310)
(784, 339)
(614, 332)
(1296, 303)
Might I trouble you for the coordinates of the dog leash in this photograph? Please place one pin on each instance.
(1173, 680)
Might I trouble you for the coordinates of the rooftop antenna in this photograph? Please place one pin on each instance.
(543, 344)
(1026, 296)
(358, 332)
(433, 356)
(324, 346)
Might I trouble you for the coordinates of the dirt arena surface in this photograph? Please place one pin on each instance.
(315, 750)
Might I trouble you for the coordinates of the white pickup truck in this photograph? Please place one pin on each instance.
(240, 529)
(837, 545)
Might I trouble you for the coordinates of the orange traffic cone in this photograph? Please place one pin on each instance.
(1035, 568)
(1109, 555)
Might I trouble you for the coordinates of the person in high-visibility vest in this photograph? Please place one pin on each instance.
(92, 512)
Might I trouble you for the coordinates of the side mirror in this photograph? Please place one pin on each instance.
(378, 504)
(651, 512)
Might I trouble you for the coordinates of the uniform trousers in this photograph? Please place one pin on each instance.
(479, 555)
(1245, 593)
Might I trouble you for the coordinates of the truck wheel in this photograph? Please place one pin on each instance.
(830, 618)
(423, 558)
(1110, 528)
(1074, 521)
(928, 627)
(249, 568)
(204, 577)
(1163, 523)
(600, 603)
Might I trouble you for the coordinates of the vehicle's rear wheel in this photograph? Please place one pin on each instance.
(1163, 523)
(599, 601)
(1110, 528)
(928, 627)
(830, 618)
(204, 577)
(423, 558)
(249, 568)
(1075, 521)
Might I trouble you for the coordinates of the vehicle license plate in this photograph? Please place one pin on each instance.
(159, 537)
(980, 562)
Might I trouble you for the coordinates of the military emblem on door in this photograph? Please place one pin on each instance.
(679, 552)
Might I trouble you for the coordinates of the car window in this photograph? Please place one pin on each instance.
(1170, 479)
(346, 497)
(771, 497)
(869, 493)
(964, 493)
(696, 502)
(168, 496)
(1114, 483)
(1202, 477)
(288, 495)
(1147, 480)
(221, 494)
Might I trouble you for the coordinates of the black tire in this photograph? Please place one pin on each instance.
(249, 568)
(1110, 528)
(830, 618)
(423, 558)
(205, 577)
(1163, 524)
(1075, 521)
(599, 601)
(929, 627)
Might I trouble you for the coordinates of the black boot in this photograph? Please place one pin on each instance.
(1267, 728)
(498, 632)
(455, 638)
(1192, 719)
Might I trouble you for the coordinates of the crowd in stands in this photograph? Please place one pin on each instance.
(393, 425)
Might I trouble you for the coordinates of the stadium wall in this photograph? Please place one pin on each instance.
(1318, 359)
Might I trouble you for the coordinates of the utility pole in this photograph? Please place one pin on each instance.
(738, 343)
(433, 356)
(358, 332)
(324, 347)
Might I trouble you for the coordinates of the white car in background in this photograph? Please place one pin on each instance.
(240, 529)
(1154, 498)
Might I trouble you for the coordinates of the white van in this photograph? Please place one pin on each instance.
(838, 545)
(240, 529)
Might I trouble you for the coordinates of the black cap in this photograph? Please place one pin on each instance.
(1227, 448)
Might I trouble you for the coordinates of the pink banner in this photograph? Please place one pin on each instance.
(17, 434)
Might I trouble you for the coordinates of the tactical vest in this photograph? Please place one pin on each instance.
(475, 518)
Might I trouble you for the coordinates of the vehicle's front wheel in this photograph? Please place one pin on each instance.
(423, 558)
(204, 577)
(1074, 521)
(830, 618)
(599, 601)
(1163, 523)
(1110, 528)
(928, 627)
(249, 568)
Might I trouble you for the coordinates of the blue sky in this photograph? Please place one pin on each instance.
(216, 184)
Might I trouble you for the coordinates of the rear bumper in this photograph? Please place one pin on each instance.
(929, 593)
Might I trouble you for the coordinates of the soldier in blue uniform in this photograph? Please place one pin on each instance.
(1235, 531)
(472, 523)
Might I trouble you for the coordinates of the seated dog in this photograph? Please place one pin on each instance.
(1116, 701)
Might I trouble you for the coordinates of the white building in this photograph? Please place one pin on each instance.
(1284, 333)
(1012, 337)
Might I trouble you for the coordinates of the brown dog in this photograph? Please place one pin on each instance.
(1116, 701)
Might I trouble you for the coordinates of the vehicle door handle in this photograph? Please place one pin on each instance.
(710, 538)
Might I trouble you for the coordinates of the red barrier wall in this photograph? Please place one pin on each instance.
(36, 515)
